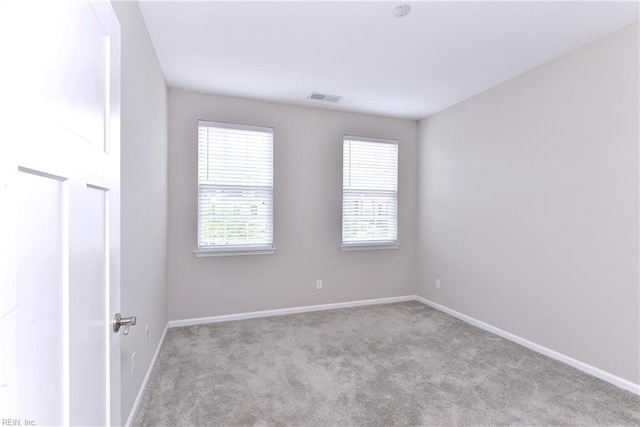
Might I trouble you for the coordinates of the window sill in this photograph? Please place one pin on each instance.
(202, 253)
(369, 247)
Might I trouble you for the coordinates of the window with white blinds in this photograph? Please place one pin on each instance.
(369, 192)
(235, 187)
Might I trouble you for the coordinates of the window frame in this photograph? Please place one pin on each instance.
(243, 249)
(380, 244)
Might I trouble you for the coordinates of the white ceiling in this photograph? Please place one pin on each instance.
(438, 55)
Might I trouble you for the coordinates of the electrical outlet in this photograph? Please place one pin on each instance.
(438, 283)
(318, 284)
(146, 332)
(133, 363)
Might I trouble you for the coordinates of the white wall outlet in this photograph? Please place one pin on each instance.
(133, 362)
(318, 284)
(146, 332)
(438, 283)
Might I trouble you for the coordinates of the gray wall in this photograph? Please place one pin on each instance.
(307, 213)
(144, 198)
(529, 205)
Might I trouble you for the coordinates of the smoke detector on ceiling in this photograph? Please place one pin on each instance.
(401, 10)
(324, 97)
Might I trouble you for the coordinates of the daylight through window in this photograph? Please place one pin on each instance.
(369, 191)
(235, 187)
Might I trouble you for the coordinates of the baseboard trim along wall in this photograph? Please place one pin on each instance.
(145, 381)
(591, 370)
(283, 311)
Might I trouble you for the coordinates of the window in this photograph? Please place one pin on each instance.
(235, 189)
(369, 193)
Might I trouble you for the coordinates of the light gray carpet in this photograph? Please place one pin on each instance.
(392, 364)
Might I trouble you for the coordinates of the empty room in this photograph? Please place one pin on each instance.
(314, 213)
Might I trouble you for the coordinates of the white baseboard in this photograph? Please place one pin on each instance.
(145, 381)
(592, 370)
(283, 311)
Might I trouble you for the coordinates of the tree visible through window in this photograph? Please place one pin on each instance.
(235, 187)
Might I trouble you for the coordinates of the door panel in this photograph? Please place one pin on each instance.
(89, 304)
(81, 72)
(41, 203)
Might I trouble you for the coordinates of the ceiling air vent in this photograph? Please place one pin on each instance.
(324, 97)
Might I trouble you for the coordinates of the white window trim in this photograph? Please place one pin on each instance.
(368, 139)
(203, 252)
(373, 246)
(370, 246)
(235, 251)
(236, 126)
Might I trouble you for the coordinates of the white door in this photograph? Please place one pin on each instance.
(59, 207)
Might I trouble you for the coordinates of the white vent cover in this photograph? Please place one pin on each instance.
(324, 97)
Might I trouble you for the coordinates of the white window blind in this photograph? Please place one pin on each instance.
(235, 187)
(369, 191)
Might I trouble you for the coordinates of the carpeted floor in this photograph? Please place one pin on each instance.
(384, 365)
